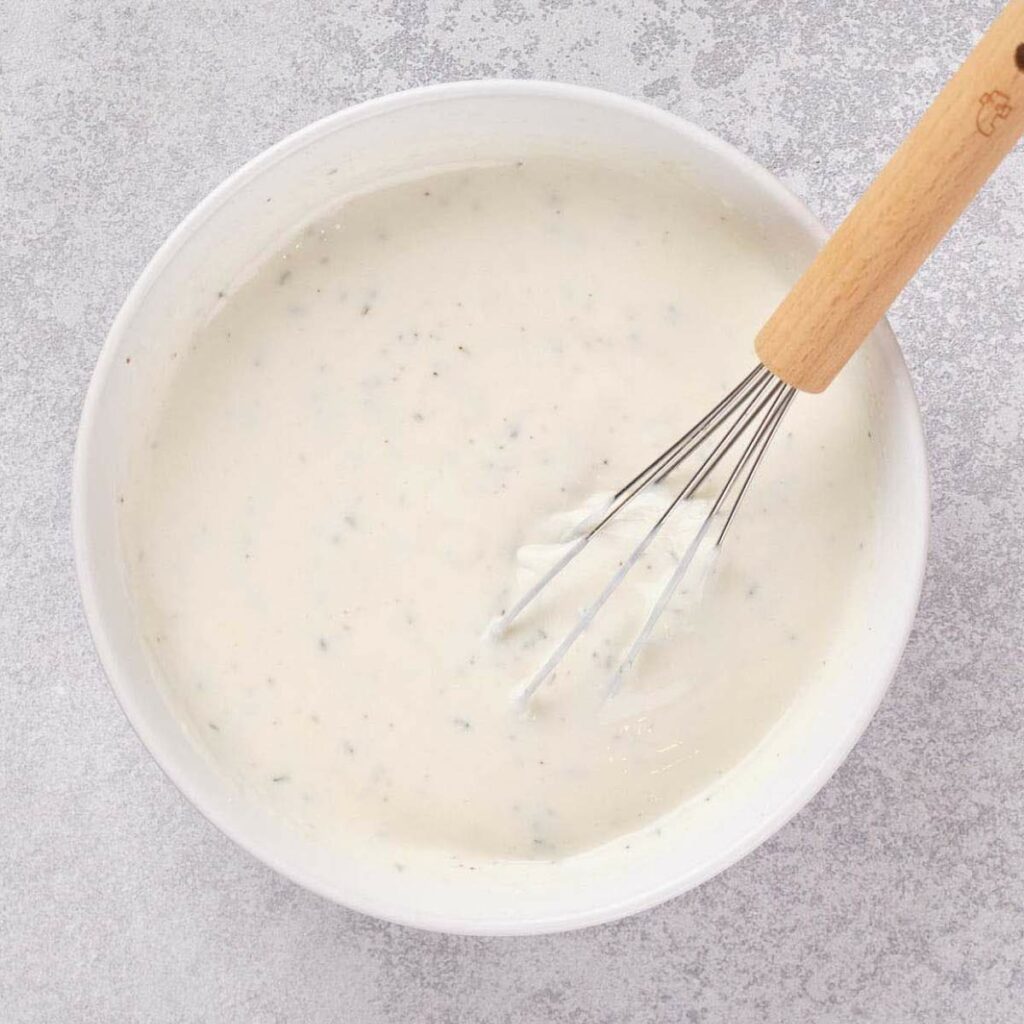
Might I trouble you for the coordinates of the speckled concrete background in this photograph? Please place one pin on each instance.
(898, 895)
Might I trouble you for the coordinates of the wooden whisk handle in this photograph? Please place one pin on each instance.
(955, 147)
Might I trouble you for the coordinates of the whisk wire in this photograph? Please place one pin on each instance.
(655, 472)
(771, 425)
(750, 409)
(779, 398)
(761, 399)
(676, 453)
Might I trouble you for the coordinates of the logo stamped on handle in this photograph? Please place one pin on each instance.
(993, 107)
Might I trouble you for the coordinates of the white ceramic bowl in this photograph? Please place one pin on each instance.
(218, 243)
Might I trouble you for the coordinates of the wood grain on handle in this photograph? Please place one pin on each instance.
(958, 143)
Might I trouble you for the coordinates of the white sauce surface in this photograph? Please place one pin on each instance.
(356, 460)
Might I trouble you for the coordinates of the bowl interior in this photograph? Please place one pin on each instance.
(217, 247)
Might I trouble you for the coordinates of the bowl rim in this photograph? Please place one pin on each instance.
(779, 198)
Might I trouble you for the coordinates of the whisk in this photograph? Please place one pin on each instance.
(952, 151)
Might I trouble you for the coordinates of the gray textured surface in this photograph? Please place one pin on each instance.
(898, 895)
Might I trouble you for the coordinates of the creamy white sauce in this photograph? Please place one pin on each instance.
(359, 455)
